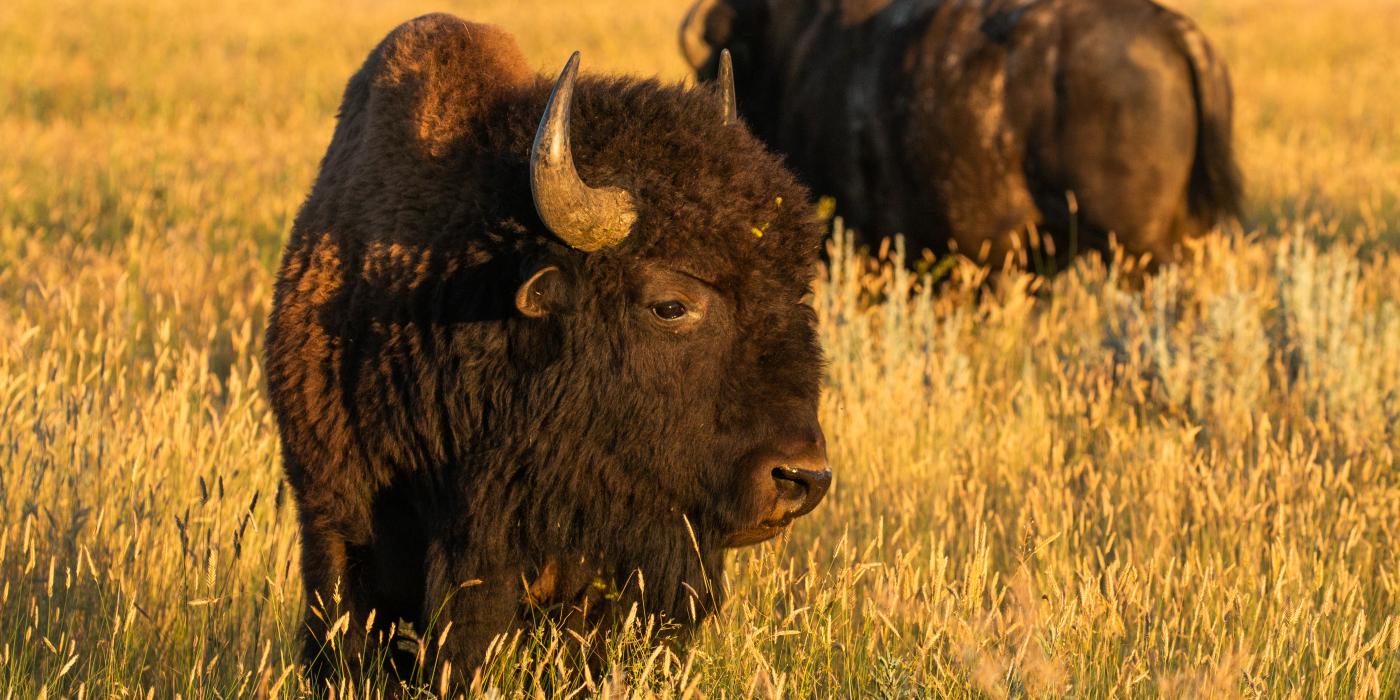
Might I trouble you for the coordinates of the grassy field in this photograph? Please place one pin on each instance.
(1182, 487)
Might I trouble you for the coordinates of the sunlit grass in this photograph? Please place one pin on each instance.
(1091, 486)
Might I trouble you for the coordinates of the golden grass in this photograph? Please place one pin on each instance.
(1184, 487)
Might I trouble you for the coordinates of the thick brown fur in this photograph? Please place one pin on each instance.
(455, 460)
(969, 121)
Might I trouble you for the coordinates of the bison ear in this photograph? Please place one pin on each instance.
(544, 292)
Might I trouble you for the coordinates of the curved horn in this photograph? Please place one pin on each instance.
(696, 50)
(726, 87)
(586, 218)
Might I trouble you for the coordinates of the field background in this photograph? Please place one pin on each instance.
(1182, 487)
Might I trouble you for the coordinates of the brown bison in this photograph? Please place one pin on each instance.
(527, 353)
(963, 123)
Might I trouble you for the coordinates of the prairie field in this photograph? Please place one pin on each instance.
(1095, 485)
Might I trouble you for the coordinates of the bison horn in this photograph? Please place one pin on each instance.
(696, 50)
(586, 218)
(726, 87)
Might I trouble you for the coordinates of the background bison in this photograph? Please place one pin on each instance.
(500, 389)
(966, 122)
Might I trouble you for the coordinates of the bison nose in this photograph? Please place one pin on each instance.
(800, 488)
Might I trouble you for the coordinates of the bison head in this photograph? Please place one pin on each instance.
(761, 36)
(679, 358)
(712, 26)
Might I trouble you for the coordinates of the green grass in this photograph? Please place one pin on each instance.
(1087, 486)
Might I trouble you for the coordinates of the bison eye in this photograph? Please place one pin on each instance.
(668, 310)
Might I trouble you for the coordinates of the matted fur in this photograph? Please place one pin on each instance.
(449, 454)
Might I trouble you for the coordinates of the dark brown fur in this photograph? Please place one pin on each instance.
(455, 460)
(966, 121)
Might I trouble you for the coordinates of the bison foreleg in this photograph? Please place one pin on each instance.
(339, 615)
(465, 609)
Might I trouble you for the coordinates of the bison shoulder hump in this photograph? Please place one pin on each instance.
(435, 74)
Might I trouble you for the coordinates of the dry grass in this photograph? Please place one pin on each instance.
(1183, 487)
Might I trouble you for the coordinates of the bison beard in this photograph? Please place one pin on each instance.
(486, 409)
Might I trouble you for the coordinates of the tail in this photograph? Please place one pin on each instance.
(1216, 190)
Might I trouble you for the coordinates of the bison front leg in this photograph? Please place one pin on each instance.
(465, 609)
(335, 641)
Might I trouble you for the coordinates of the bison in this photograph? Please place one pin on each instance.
(963, 124)
(537, 347)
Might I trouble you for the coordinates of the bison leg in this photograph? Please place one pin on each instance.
(479, 605)
(339, 639)
(328, 598)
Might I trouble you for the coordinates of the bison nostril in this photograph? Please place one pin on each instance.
(803, 488)
(791, 486)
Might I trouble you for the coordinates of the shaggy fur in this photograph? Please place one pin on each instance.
(453, 459)
(968, 121)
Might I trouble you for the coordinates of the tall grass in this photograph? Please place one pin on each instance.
(1089, 486)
